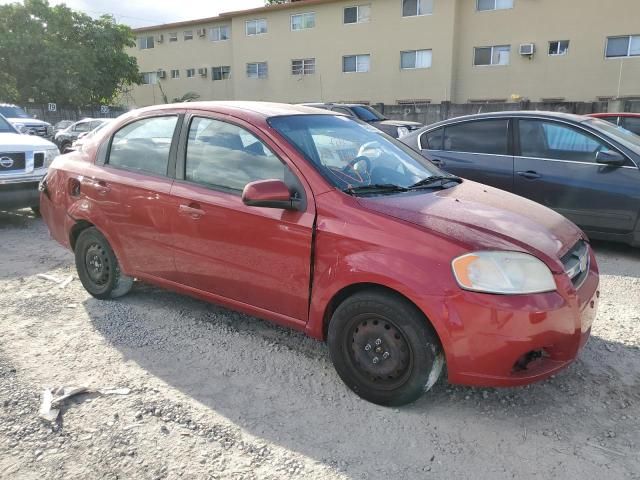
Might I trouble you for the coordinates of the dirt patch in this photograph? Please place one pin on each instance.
(217, 394)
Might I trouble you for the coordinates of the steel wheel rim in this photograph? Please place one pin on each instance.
(97, 264)
(379, 352)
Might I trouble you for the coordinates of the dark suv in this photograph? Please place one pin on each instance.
(395, 128)
(65, 138)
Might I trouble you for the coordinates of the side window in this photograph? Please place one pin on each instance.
(143, 145)
(432, 140)
(632, 124)
(223, 155)
(484, 136)
(558, 141)
(82, 127)
(343, 110)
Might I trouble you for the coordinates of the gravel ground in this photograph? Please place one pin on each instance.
(217, 394)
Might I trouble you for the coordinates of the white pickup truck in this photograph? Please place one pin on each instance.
(23, 163)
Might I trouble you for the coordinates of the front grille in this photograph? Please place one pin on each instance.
(576, 263)
(38, 129)
(12, 162)
(38, 160)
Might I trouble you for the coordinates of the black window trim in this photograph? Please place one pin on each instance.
(181, 155)
(104, 151)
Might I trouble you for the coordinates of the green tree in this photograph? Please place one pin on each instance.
(55, 54)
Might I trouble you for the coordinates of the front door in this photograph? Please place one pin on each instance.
(257, 256)
(557, 167)
(478, 150)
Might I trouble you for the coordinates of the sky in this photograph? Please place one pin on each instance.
(142, 13)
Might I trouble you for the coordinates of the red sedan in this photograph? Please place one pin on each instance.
(628, 121)
(321, 223)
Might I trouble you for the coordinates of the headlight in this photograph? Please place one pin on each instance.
(402, 131)
(49, 155)
(503, 273)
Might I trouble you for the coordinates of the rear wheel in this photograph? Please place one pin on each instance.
(64, 148)
(98, 267)
(383, 348)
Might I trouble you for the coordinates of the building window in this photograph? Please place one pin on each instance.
(220, 73)
(149, 78)
(173, 37)
(305, 66)
(188, 34)
(356, 63)
(219, 33)
(414, 8)
(145, 42)
(357, 14)
(560, 47)
(175, 73)
(484, 5)
(498, 55)
(191, 72)
(302, 21)
(627, 46)
(256, 27)
(415, 59)
(257, 70)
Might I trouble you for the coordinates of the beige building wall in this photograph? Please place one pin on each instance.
(451, 32)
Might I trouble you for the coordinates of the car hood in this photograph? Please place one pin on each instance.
(399, 123)
(19, 142)
(483, 218)
(28, 121)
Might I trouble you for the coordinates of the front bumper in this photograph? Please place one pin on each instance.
(492, 336)
(20, 191)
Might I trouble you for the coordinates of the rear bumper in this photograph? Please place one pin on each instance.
(490, 335)
(20, 192)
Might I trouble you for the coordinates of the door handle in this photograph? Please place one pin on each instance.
(193, 210)
(530, 175)
(102, 187)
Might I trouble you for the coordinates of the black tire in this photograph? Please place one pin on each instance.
(64, 147)
(98, 267)
(36, 211)
(383, 348)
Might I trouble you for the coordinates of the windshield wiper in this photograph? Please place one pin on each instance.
(375, 188)
(435, 180)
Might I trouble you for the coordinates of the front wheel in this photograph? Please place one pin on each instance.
(98, 267)
(383, 348)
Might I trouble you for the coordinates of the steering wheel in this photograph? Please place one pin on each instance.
(351, 166)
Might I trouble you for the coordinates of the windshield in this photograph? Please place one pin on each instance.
(353, 154)
(13, 112)
(627, 138)
(5, 126)
(367, 114)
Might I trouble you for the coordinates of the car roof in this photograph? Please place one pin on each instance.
(262, 109)
(514, 113)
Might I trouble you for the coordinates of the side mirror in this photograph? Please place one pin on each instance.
(269, 194)
(611, 158)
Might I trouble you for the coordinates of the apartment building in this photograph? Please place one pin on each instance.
(397, 51)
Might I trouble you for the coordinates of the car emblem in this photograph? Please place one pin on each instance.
(6, 162)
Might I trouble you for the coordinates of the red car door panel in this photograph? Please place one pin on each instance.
(258, 256)
(255, 255)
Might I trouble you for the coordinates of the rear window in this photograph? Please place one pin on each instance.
(484, 136)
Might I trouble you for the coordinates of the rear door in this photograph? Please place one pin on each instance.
(132, 189)
(256, 256)
(479, 150)
(556, 166)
